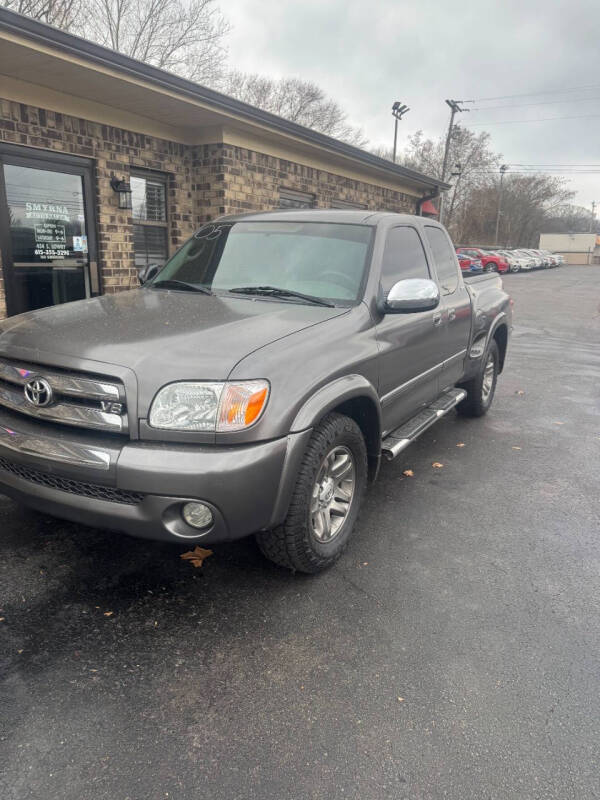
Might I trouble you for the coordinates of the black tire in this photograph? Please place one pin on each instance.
(294, 544)
(478, 400)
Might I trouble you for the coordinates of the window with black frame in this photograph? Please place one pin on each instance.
(290, 198)
(149, 212)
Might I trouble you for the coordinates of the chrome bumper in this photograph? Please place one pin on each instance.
(42, 447)
(140, 487)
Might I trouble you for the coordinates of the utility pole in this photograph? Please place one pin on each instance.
(503, 169)
(398, 111)
(454, 109)
(593, 217)
(458, 175)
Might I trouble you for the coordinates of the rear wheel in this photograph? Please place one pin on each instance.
(515, 267)
(480, 389)
(326, 499)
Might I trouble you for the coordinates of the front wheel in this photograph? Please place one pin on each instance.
(515, 268)
(480, 389)
(325, 502)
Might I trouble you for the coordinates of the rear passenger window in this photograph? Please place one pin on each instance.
(403, 257)
(445, 258)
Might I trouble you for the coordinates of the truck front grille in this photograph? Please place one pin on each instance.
(76, 399)
(81, 488)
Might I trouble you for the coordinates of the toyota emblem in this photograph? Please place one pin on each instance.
(38, 392)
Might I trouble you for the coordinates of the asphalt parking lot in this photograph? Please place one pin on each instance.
(452, 653)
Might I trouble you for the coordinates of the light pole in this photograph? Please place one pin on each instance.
(454, 109)
(503, 169)
(398, 111)
(593, 217)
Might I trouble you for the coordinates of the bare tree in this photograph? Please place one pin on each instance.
(183, 37)
(297, 100)
(60, 13)
(568, 218)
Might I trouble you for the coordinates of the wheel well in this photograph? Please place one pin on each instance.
(364, 412)
(501, 338)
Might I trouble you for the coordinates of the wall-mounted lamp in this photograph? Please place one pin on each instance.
(123, 189)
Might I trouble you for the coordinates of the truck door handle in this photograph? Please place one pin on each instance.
(451, 314)
(437, 318)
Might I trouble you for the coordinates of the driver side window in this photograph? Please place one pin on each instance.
(403, 257)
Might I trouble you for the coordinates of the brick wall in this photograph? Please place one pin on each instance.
(251, 181)
(114, 151)
(204, 181)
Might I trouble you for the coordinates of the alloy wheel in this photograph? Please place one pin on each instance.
(332, 493)
(488, 379)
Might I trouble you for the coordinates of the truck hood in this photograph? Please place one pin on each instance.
(162, 336)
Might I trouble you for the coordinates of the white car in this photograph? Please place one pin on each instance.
(526, 261)
(539, 261)
(515, 263)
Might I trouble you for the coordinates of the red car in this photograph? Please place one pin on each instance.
(490, 261)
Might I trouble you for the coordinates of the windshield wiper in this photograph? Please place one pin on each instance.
(275, 291)
(174, 284)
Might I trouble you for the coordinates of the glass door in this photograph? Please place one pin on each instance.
(46, 235)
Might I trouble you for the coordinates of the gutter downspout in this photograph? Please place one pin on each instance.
(433, 196)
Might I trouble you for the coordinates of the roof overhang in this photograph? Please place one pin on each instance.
(59, 71)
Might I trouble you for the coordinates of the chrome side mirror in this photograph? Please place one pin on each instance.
(148, 272)
(410, 295)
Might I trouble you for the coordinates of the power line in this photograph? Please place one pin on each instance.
(534, 94)
(539, 119)
(543, 103)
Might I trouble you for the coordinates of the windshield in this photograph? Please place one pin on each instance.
(325, 260)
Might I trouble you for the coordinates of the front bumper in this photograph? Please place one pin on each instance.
(140, 488)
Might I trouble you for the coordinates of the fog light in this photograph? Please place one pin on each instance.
(197, 515)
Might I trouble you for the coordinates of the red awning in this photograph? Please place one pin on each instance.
(429, 208)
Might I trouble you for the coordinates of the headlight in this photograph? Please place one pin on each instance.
(209, 406)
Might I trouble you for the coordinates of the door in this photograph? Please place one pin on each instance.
(46, 229)
(409, 344)
(455, 306)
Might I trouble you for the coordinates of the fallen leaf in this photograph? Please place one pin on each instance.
(400, 699)
(516, 448)
(460, 444)
(19, 652)
(558, 423)
(365, 563)
(108, 613)
(437, 465)
(2, 619)
(519, 391)
(409, 473)
(196, 556)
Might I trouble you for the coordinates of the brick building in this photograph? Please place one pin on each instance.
(108, 164)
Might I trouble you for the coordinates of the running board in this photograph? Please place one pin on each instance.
(398, 440)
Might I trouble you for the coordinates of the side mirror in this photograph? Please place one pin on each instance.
(410, 295)
(148, 272)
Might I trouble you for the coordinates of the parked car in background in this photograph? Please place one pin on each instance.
(551, 257)
(560, 259)
(468, 264)
(539, 261)
(490, 261)
(517, 261)
(545, 256)
(512, 260)
(528, 262)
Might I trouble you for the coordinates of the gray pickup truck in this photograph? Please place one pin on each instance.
(251, 385)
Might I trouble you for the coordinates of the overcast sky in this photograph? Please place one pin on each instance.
(368, 54)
